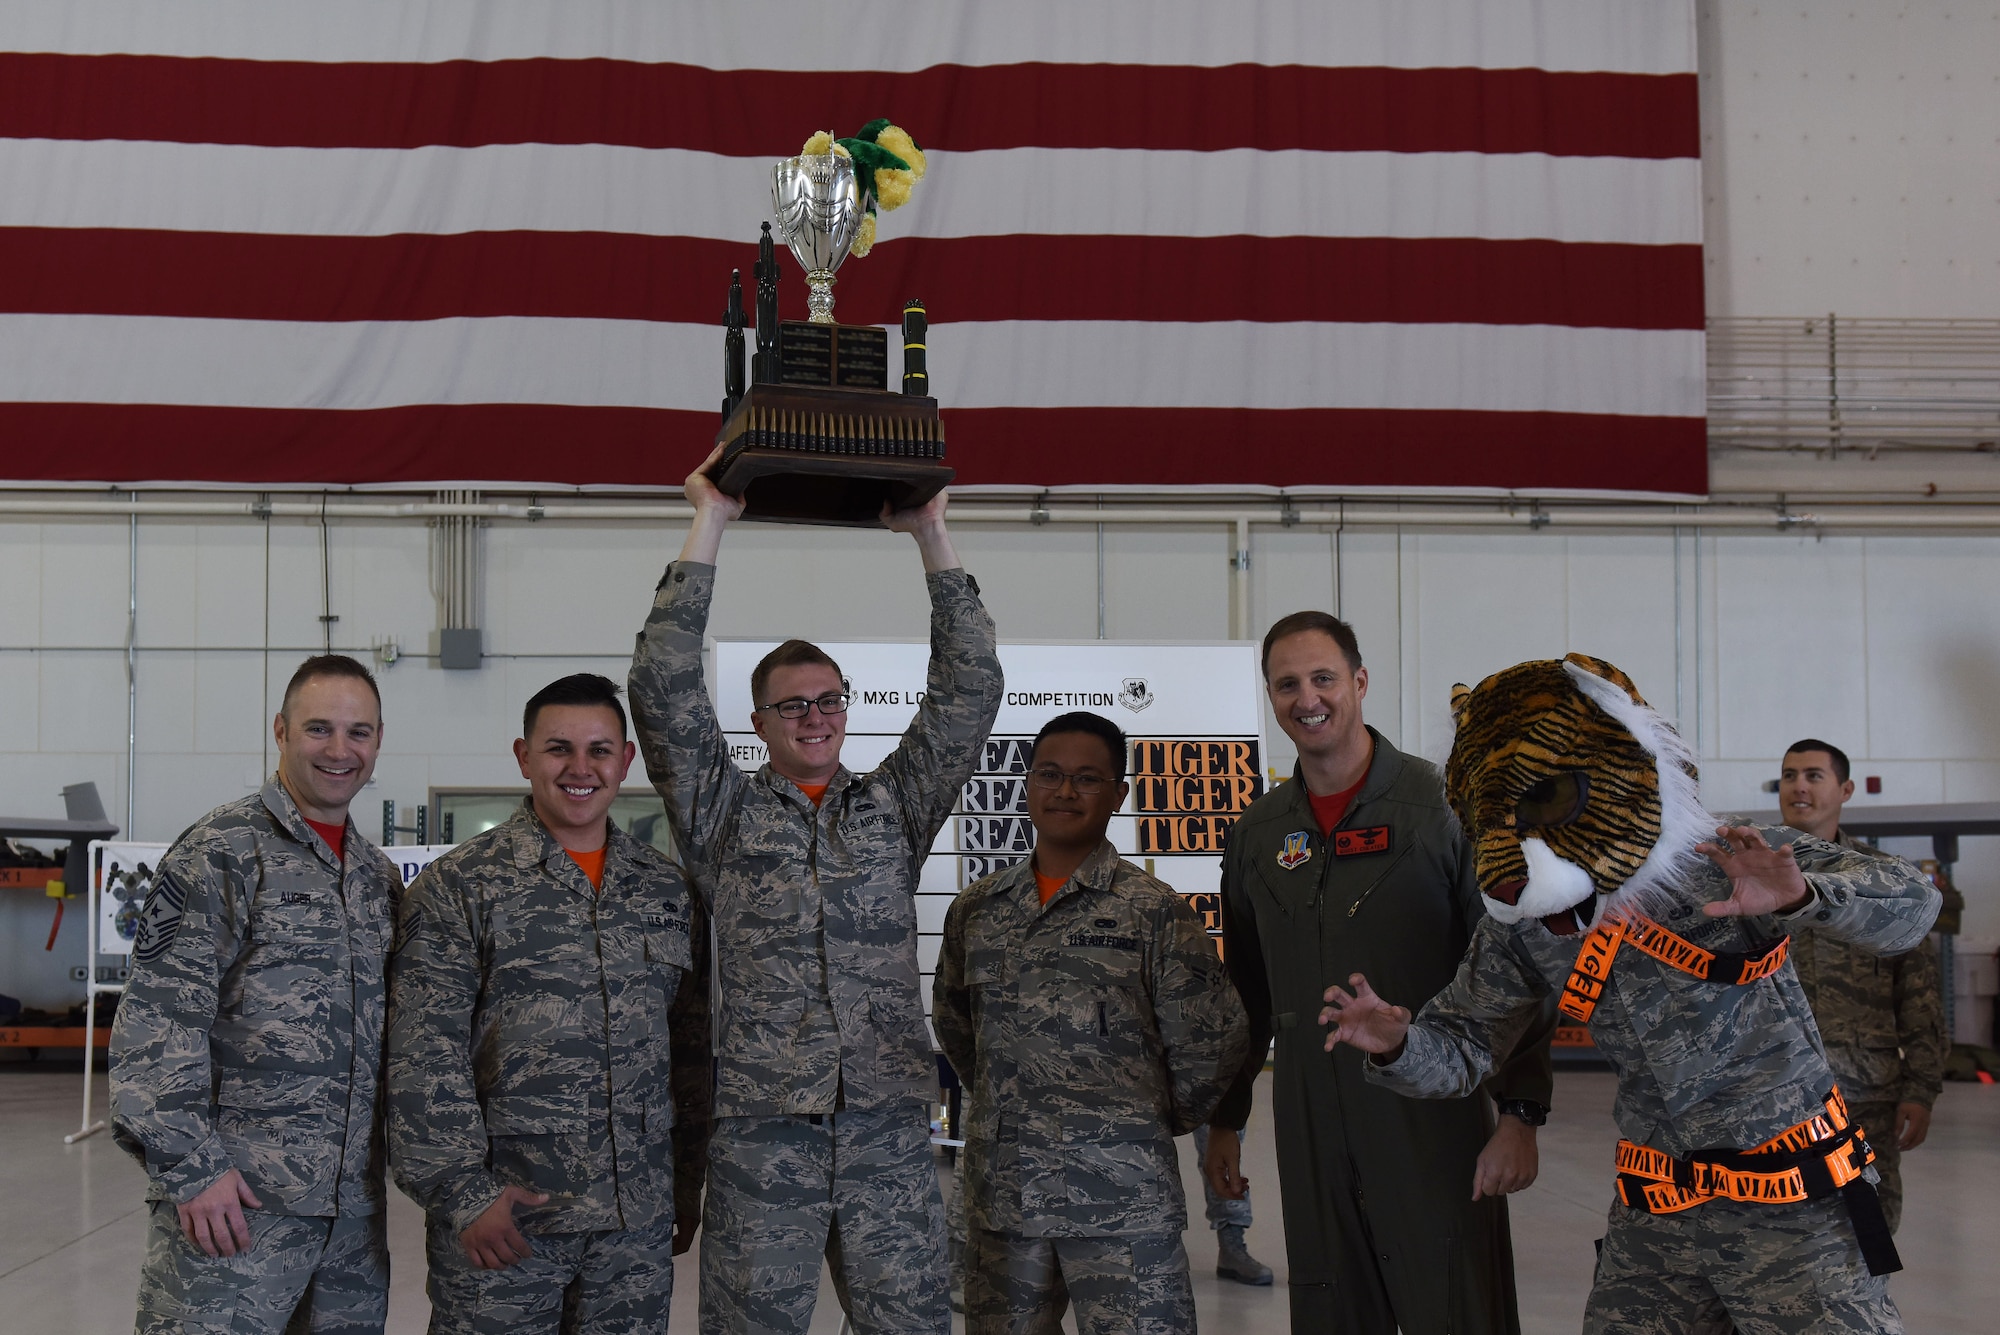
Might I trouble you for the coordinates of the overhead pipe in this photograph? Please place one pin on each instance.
(1505, 515)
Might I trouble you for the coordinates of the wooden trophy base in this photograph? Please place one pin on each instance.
(799, 454)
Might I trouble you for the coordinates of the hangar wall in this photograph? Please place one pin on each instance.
(1889, 646)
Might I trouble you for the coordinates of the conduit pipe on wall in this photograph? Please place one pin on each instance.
(1503, 516)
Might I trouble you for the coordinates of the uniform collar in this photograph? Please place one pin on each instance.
(286, 812)
(536, 847)
(785, 787)
(1096, 872)
(1384, 768)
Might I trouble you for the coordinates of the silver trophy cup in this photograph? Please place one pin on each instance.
(819, 211)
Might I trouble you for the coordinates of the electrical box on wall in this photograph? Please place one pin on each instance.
(459, 648)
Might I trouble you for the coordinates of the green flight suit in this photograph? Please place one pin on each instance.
(1380, 1227)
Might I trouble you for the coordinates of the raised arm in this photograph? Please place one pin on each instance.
(962, 689)
(1884, 905)
(437, 1131)
(1204, 1031)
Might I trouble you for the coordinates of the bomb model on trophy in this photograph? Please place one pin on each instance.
(816, 436)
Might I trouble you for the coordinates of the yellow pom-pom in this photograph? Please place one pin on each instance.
(864, 240)
(892, 187)
(819, 143)
(897, 140)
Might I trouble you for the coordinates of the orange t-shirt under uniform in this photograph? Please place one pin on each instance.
(814, 791)
(1046, 886)
(592, 864)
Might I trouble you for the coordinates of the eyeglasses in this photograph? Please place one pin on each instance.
(833, 702)
(1051, 778)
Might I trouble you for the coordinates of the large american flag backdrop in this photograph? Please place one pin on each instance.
(1402, 244)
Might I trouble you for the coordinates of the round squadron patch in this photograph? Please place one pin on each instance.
(160, 919)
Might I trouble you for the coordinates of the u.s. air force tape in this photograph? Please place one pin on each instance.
(160, 919)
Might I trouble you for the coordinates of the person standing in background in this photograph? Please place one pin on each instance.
(1880, 1017)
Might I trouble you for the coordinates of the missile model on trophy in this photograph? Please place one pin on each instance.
(817, 436)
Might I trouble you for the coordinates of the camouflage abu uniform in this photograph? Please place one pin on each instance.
(824, 1069)
(1881, 1020)
(1089, 1032)
(552, 1038)
(249, 1037)
(1700, 1066)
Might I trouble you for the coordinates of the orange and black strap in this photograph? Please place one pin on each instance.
(1587, 977)
(1822, 1156)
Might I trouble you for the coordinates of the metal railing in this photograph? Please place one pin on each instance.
(1832, 383)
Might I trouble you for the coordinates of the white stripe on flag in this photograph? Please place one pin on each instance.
(675, 192)
(1632, 36)
(1017, 364)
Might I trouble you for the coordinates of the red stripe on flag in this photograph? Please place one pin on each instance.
(677, 279)
(1112, 447)
(759, 113)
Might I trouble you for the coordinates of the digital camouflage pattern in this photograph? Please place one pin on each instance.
(1881, 1020)
(250, 1032)
(1136, 1284)
(615, 1283)
(549, 1037)
(1222, 1212)
(856, 1189)
(1729, 1266)
(1088, 1033)
(302, 1276)
(1700, 1066)
(815, 910)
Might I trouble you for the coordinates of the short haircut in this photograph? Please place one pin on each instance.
(1323, 622)
(582, 688)
(1098, 726)
(329, 665)
(792, 653)
(1840, 766)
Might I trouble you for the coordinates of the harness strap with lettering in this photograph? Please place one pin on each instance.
(1820, 1157)
(1585, 985)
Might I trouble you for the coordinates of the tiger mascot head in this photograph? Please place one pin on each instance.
(1577, 796)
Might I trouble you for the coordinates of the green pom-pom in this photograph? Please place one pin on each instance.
(873, 128)
(868, 159)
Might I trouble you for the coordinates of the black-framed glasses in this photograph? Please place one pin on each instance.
(1051, 778)
(833, 702)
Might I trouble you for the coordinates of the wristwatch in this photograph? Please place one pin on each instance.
(1527, 1110)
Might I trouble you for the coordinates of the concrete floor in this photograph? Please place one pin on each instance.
(73, 1225)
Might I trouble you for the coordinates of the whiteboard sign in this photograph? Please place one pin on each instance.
(1194, 714)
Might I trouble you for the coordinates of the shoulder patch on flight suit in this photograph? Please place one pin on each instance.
(1297, 849)
(1374, 839)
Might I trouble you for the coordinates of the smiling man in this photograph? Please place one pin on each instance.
(1881, 1017)
(825, 1072)
(549, 1048)
(1395, 1211)
(1083, 1006)
(245, 1052)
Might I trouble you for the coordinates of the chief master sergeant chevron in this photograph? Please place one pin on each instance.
(820, 1142)
(245, 1055)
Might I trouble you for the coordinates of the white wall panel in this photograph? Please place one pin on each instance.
(1933, 647)
(1789, 616)
(1485, 602)
(84, 570)
(1167, 584)
(83, 703)
(1043, 580)
(1621, 608)
(228, 702)
(20, 701)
